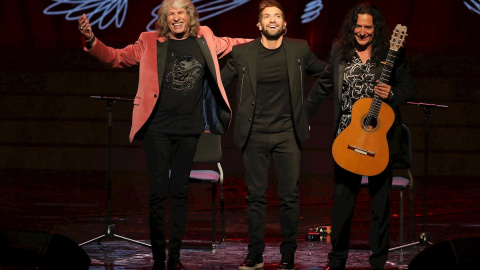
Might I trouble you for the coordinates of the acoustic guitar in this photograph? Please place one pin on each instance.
(362, 147)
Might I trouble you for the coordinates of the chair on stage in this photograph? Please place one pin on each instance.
(402, 163)
(209, 150)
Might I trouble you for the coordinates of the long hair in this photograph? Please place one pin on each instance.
(162, 27)
(269, 3)
(346, 38)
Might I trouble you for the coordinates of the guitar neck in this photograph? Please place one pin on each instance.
(384, 78)
(388, 66)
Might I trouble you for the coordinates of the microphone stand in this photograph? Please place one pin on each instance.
(110, 228)
(424, 236)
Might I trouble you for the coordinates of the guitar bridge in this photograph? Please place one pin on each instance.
(361, 151)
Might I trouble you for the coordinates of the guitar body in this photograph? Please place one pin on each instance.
(363, 149)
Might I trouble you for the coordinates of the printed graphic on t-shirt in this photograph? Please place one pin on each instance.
(185, 71)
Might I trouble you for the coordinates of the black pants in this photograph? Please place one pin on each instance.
(346, 189)
(256, 156)
(165, 154)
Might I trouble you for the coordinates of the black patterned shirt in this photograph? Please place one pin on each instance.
(358, 82)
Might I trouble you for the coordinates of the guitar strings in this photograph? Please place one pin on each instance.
(376, 101)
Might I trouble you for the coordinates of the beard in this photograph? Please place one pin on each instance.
(272, 36)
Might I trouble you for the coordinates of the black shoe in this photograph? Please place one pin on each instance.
(158, 266)
(252, 262)
(174, 264)
(287, 262)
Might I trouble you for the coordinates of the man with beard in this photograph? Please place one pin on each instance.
(270, 121)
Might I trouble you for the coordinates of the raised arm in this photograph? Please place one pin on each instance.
(118, 58)
(222, 45)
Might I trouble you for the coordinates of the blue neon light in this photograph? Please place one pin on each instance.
(312, 11)
(101, 12)
(476, 6)
(105, 12)
(214, 7)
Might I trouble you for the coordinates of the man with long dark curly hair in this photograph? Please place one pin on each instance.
(354, 72)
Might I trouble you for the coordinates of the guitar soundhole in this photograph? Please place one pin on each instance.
(370, 124)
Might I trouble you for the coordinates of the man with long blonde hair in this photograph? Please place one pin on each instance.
(180, 95)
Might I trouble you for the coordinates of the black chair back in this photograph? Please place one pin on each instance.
(209, 148)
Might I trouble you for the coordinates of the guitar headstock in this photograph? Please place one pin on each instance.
(398, 37)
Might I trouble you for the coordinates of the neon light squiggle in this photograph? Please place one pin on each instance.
(205, 10)
(105, 12)
(312, 11)
(101, 12)
(476, 6)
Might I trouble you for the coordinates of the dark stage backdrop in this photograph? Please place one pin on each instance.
(49, 122)
(434, 26)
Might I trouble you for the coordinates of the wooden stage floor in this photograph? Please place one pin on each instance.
(74, 204)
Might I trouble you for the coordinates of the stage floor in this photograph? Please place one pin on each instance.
(74, 204)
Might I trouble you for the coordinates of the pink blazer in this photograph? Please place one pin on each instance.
(143, 52)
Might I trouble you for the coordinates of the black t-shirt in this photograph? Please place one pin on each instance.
(180, 105)
(273, 111)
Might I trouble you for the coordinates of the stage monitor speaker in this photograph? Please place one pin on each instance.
(42, 251)
(449, 254)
